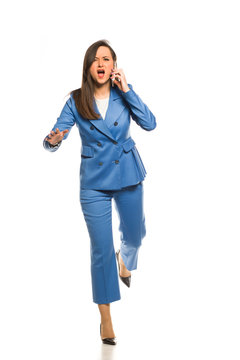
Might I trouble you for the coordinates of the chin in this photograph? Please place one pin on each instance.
(101, 82)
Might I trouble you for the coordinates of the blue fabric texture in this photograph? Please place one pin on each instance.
(97, 209)
(109, 156)
(111, 169)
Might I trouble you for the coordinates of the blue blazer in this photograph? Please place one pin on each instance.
(109, 157)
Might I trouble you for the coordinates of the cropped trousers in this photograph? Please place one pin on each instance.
(97, 210)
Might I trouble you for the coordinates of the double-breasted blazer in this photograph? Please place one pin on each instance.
(109, 157)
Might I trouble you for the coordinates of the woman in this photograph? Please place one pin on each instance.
(111, 168)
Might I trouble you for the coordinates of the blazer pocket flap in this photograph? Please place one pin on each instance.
(128, 145)
(87, 151)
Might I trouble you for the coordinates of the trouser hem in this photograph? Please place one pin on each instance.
(106, 301)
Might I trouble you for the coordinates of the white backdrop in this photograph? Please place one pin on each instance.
(182, 58)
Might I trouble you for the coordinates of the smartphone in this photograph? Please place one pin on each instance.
(112, 80)
(115, 66)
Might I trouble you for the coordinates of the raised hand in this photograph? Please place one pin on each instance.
(55, 137)
(118, 77)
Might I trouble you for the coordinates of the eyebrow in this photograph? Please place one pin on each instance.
(102, 56)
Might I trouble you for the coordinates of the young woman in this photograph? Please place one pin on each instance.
(111, 168)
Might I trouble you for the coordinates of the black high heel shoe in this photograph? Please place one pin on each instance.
(125, 279)
(108, 341)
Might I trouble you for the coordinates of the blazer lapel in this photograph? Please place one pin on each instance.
(114, 109)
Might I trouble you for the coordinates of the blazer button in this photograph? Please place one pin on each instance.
(92, 127)
(115, 142)
(116, 123)
(116, 161)
(99, 144)
(100, 163)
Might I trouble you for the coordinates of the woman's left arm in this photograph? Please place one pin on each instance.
(139, 111)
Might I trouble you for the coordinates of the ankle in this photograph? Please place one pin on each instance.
(122, 262)
(105, 319)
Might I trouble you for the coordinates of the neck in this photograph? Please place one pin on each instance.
(102, 91)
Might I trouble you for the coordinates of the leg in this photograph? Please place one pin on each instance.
(129, 205)
(106, 321)
(97, 210)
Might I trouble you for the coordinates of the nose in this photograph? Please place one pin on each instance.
(100, 63)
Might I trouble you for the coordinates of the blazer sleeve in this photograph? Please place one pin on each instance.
(140, 113)
(65, 121)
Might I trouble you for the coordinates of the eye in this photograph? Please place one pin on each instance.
(106, 59)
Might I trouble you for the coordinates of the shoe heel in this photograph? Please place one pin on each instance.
(108, 341)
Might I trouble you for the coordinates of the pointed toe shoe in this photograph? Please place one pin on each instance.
(125, 279)
(108, 341)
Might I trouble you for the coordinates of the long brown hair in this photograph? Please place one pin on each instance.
(83, 96)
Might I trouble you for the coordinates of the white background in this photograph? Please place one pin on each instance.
(182, 58)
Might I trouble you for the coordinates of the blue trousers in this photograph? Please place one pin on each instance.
(97, 210)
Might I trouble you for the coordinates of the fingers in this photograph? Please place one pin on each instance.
(115, 72)
(51, 134)
(117, 76)
(56, 136)
(118, 71)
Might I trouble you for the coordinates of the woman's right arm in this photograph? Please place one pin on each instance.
(61, 129)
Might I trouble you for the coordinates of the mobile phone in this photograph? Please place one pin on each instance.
(112, 80)
(115, 66)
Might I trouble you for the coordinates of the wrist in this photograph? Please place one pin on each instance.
(126, 89)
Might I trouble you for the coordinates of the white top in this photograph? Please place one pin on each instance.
(102, 105)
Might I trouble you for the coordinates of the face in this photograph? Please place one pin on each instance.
(101, 67)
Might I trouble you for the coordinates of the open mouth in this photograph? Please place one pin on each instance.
(101, 73)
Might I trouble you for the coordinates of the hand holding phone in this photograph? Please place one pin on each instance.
(114, 76)
(118, 78)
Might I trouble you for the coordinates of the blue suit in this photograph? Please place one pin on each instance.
(111, 168)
